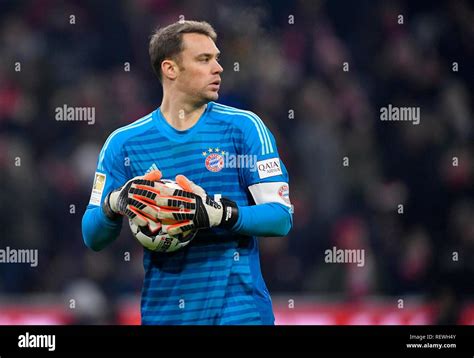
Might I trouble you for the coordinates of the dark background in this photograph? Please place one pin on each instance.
(285, 67)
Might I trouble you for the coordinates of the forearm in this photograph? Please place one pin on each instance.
(270, 219)
(98, 230)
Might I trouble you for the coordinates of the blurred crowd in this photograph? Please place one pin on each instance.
(401, 192)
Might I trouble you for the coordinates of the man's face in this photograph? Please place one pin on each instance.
(199, 70)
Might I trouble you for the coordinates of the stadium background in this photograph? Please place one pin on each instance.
(289, 57)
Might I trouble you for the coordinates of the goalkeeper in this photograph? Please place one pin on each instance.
(216, 279)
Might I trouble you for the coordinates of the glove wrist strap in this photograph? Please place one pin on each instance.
(230, 214)
(108, 210)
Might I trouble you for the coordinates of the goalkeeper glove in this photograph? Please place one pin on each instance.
(192, 207)
(131, 200)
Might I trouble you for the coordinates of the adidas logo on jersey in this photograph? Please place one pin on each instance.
(151, 168)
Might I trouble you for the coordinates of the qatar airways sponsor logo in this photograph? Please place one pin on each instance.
(269, 168)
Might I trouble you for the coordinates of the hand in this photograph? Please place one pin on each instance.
(132, 200)
(192, 207)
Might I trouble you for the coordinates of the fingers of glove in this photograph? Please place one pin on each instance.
(163, 189)
(119, 197)
(154, 175)
(144, 193)
(168, 191)
(154, 226)
(141, 219)
(149, 210)
(145, 184)
(160, 213)
(174, 203)
(138, 179)
(175, 214)
(188, 185)
(150, 194)
(178, 228)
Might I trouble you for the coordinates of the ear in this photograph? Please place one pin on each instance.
(169, 69)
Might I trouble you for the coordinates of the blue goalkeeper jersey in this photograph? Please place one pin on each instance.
(216, 279)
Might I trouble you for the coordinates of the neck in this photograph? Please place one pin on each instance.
(180, 113)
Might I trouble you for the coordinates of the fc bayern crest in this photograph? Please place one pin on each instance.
(214, 160)
(284, 193)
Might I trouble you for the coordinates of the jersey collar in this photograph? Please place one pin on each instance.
(175, 134)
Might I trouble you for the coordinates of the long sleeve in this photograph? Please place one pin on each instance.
(98, 230)
(267, 181)
(271, 219)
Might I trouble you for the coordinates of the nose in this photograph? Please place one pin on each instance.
(218, 68)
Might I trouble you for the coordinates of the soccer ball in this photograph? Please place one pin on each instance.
(158, 240)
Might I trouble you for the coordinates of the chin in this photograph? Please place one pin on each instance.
(213, 96)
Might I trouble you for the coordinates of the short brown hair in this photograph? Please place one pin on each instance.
(167, 42)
